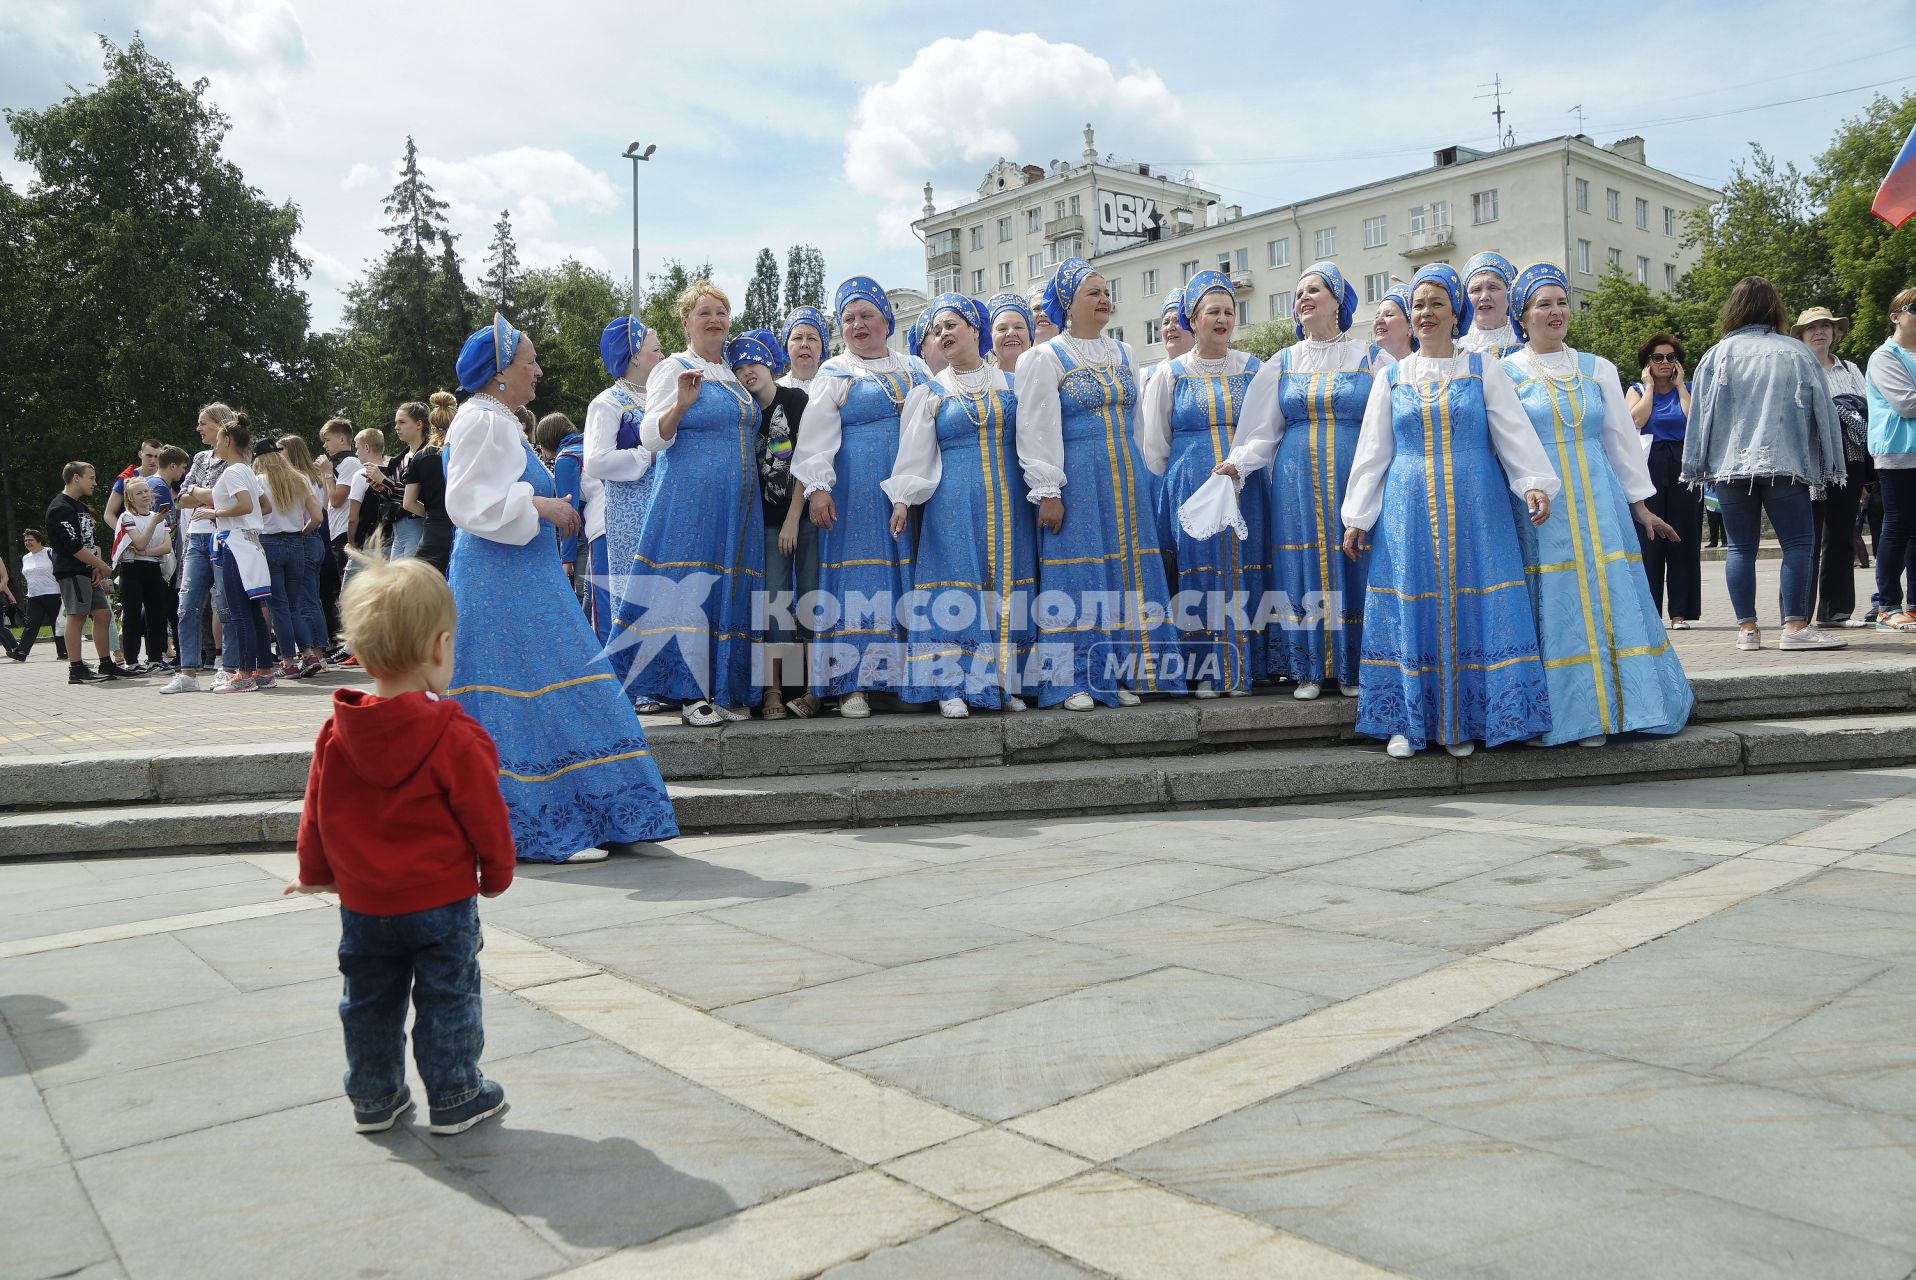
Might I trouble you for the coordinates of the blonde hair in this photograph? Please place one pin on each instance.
(336, 427)
(223, 414)
(299, 456)
(371, 436)
(283, 481)
(391, 612)
(444, 406)
(699, 288)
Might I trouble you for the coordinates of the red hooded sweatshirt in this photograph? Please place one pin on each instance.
(403, 810)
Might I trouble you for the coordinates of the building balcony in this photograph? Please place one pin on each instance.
(1072, 224)
(942, 261)
(1429, 244)
(1240, 280)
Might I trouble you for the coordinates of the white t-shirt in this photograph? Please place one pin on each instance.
(282, 521)
(37, 567)
(237, 476)
(131, 524)
(344, 472)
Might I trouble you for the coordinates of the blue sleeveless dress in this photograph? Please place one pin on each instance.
(1110, 626)
(573, 762)
(625, 505)
(687, 617)
(862, 570)
(976, 563)
(1450, 643)
(1320, 635)
(1217, 571)
(1608, 662)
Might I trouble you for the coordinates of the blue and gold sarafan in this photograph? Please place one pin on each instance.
(573, 762)
(978, 540)
(625, 506)
(1606, 657)
(1450, 644)
(862, 569)
(1108, 552)
(1318, 635)
(688, 610)
(1222, 568)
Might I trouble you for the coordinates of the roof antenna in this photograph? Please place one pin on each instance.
(1507, 137)
(1579, 110)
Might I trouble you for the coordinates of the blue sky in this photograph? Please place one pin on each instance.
(820, 123)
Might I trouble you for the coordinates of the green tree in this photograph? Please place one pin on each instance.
(1266, 338)
(761, 295)
(566, 308)
(1766, 225)
(1869, 261)
(1620, 313)
(501, 281)
(145, 278)
(804, 278)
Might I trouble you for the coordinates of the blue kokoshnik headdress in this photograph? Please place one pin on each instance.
(1490, 260)
(1400, 294)
(1173, 306)
(1445, 275)
(1529, 280)
(620, 342)
(1062, 289)
(1193, 293)
(1340, 288)
(756, 346)
(807, 315)
(486, 354)
(915, 336)
(967, 309)
(1014, 303)
(871, 291)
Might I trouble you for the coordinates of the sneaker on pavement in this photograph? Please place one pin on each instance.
(81, 673)
(311, 667)
(181, 683)
(380, 1119)
(114, 671)
(264, 680)
(1749, 641)
(1811, 638)
(593, 854)
(239, 684)
(488, 1102)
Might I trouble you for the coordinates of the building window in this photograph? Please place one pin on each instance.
(1241, 260)
(1616, 259)
(1280, 305)
(1151, 334)
(1376, 285)
(1117, 290)
(1613, 204)
(1243, 314)
(1034, 265)
(1116, 332)
(1327, 243)
(1186, 270)
(1004, 275)
(1439, 214)
(978, 238)
(1074, 204)
(1483, 206)
(941, 242)
(1004, 229)
(1280, 252)
(1151, 284)
(1034, 220)
(978, 280)
(1376, 232)
(1669, 277)
(944, 280)
(1057, 209)
(1583, 256)
(1583, 195)
(1417, 220)
(1643, 215)
(1643, 270)
(1669, 221)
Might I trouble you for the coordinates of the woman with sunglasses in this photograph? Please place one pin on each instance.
(1892, 447)
(1659, 404)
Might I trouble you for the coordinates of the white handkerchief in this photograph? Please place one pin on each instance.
(1212, 510)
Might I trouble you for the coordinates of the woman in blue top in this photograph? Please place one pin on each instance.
(1011, 326)
(1607, 662)
(1892, 446)
(1659, 405)
(574, 767)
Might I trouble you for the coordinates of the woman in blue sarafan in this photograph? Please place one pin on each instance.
(1450, 643)
(1301, 417)
(847, 443)
(688, 615)
(574, 767)
(1103, 613)
(975, 568)
(617, 458)
(1606, 657)
(1192, 406)
(1487, 280)
(1010, 335)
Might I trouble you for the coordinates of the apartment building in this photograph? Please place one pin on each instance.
(1563, 200)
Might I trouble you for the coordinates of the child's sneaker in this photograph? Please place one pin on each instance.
(264, 680)
(386, 1117)
(483, 1105)
(238, 684)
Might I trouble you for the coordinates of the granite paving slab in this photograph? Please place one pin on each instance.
(1416, 920)
(706, 961)
(969, 1248)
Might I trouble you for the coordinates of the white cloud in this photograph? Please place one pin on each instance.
(529, 181)
(961, 104)
(326, 267)
(358, 176)
(230, 33)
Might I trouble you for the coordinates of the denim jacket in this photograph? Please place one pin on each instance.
(1761, 409)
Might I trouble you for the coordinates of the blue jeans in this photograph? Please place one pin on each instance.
(797, 574)
(1744, 503)
(1896, 545)
(286, 559)
(196, 586)
(312, 615)
(405, 540)
(432, 957)
(248, 643)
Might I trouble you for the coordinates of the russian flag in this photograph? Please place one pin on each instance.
(1896, 199)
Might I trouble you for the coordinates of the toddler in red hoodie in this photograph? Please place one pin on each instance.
(404, 821)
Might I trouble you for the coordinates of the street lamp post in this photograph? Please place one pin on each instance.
(635, 153)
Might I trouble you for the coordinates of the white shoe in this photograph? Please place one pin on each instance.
(700, 715)
(1350, 690)
(1679, 624)
(585, 855)
(1237, 693)
(221, 679)
(1536, 742)
(953, 709)
(854, 707)
(1204, 690)
(1594, 740)
(728, 714)
(1306, 692)
(1014, 703)
(1399, 747)
(1811, 638)
(1749, 641)
(181, 683)
(1128, 699)
(1460, 749)
(1080, 702)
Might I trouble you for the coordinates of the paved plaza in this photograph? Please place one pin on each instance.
(1659, 1029)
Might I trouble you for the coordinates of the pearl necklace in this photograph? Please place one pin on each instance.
(973, 383)
(496, 403)
(1097, 350)
(875, 367)
(1209, 368)
(1558, 366)
(1430, 393)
